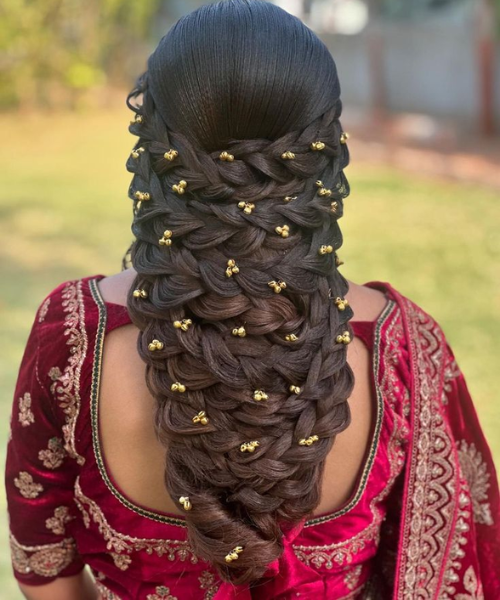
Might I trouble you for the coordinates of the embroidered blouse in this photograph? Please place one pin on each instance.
(66, 511)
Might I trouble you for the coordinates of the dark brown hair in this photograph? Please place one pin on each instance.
(241, 76)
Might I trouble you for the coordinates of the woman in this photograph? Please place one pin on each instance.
(309, 454)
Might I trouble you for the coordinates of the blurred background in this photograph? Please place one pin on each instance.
(421, 91)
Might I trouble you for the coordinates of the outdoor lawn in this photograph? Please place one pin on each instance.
(65, 214)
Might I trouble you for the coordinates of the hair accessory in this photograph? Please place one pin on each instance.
(249, 446)
(178, 387)
(345, 338)
(289, 198)
(333, 207)
(142, 196)
(226, 156)
(186, 504)
(325, 249)
(233, 555)
(294, 389)
(140, 293)
(246, 206)
(201, 417)
(338, 262)
(341, 303)
(277, 285)
(324, 192)
(344, 136)
(291, 337)
(260, 395)
(317, 146)
(288, 155)
(309, 441)
(137, 119)
(165, 240)
(180, 188)
(232, 267)
(171, 154)
(284, 231)
(156, 345)
(239, 331)
(137, 152)
(185, 324)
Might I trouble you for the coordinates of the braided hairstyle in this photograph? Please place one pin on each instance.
(237, 295)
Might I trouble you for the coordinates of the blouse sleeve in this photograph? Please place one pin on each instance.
(39, 475)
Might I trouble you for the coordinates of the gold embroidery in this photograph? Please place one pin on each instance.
(122, 543)
(66, 386)
(105, 593)
(161, 593)
(476, 473)
(57, 523)
(25, 484)
(472, 585)
(208, 583)
(451, 371)
(42, 313)
(352, 576)
(26, 416)
(47, 560)
(122, 561)
(53, 456)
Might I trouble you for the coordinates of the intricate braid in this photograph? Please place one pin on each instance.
(258, 364)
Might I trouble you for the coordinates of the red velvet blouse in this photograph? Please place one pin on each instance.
(66, 511)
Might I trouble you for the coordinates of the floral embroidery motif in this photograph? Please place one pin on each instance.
(161, 593)
(42, 313)
(57, 523)
(25, 484)
(53, 456)
(476, 473)
(105, 593)
(352, 576)
(47, 560)
(54, 374)
(122, 561)
(208, 583)
(472, 585)
(66, 386)
(26, 416)
(122, 543)
(451, 371)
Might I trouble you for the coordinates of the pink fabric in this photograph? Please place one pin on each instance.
(424, 520)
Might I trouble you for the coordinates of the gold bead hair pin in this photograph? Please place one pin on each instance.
(289, 198)
(325, 249)
(186, 503)
(341, 303)
(184, 325)
(137, 119)
(142, 196)
(294, 389)
(323, 191)
(180, 188)
(140, 293)
(201, 417)
(291, 337)
(178, 387)
(317, 146)
(338, 261)
(239, 331)
(277, 286)
(155, 345)
(260, 395)
(137, 152)
(226, 156)
(333, 207)
(284, 231)
(344, 136)
(288, 155)
(165, 240)
(309, 441)
(345, 338)
(232, 267)
(249, 446)
(171, 155)
(233, 555)
(247, 207)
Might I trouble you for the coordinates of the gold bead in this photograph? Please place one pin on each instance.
(249, 446)
(309, 441)
(333, 207)
(171, 155)
(247, 207)
(180, 187)
(142, 196)
(341, 303)
(319, 183)
(165, 240)
(233, 555)
(139, 293)
(137, 119)
(325, 192)
(338, 262)
(178, 387)
(155, 345)
(260, 395)
(277, 286)
(317, 146)
(288, 155)
(291, 337)
(232, 267)
(325, 249)
(284, 231)
(226, 156)
(186, 503)
(344, 136)
(289, 198)
(201, 417)
(239, 331)
(345, 338)
(184, 324)
(294, 389)
(137, 152)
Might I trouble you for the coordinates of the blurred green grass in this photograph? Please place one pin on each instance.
(64, 213)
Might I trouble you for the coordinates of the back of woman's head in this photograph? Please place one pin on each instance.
(238, 186)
